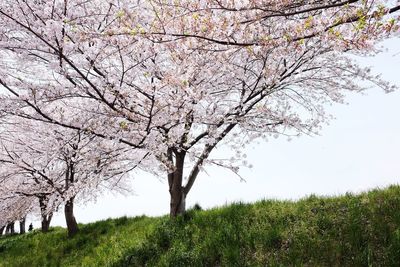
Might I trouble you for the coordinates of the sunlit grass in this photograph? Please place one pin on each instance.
(351, 230)
(98, 244)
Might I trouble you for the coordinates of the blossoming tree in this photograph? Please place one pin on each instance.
(175, 79)
(55, 166)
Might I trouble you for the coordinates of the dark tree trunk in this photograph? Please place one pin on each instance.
(2, 230)
(10, 228)
(22, 226)
(70, 220)
(72, 226)
(46, 217)
(176, 190)
(178, 202)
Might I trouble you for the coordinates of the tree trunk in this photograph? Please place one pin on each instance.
(22, 226)
(45, 225)
(72, 226)
(10, 228)
(2, 230)
(177, 190)
(178, 202)
(46, 218)
(177, 193)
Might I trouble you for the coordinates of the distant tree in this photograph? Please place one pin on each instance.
(55, 167)
(174, 79)
(10, 230)
(22, 224)
(12, 207)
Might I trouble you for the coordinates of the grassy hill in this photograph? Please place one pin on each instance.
(351, 230)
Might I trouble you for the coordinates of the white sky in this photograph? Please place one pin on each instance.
(358, 151)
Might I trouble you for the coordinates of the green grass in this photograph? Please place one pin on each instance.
(350, 230)
(98, 244)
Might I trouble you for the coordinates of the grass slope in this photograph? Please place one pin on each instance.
(351, 230)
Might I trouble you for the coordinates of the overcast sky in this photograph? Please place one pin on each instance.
(358, 151)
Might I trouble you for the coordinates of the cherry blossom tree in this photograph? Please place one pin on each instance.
(20, 183)
(14, 209)
(173, 80)
(56, 167)
(27, 173)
